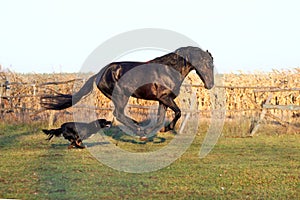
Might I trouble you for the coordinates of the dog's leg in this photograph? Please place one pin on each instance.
(72, 145)
(50, 137)
(78, 144)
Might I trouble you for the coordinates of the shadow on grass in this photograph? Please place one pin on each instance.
(116, 133)
(66, 145)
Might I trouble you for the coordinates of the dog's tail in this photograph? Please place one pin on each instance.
(52, 132)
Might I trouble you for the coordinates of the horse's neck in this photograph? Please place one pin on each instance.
(174, 61)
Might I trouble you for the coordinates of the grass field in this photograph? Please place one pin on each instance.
(266, 166)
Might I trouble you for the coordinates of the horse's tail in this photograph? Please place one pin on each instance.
(62, 101)
(52, 132)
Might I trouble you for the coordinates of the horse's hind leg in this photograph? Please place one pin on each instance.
(169, 102)
(161, 114)
(120, 104)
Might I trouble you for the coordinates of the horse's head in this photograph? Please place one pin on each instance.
(201, 61)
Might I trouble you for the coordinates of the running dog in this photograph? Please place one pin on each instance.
(75, 132)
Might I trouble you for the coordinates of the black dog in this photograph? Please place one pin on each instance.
(75, 132)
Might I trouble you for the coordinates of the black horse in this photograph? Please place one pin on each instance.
(164, 76)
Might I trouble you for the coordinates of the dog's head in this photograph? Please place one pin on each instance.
(104, 123)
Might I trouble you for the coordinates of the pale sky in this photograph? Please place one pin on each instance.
(58, 35)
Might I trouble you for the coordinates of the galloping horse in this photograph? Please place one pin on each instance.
(182, 60)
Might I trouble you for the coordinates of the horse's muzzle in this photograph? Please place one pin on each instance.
(209, 86)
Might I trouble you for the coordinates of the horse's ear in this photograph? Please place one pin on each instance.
(209, 54)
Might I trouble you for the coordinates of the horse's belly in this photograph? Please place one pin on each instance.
(147, 92)
(153, 92)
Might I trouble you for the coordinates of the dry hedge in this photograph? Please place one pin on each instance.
(245, 93)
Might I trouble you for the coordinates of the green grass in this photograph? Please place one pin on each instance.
(264, 167)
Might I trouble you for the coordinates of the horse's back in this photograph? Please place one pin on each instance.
(111, 74)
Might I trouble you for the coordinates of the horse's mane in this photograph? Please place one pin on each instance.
(168, 59)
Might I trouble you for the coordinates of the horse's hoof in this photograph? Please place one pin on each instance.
(143, 138)
(165, 129)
